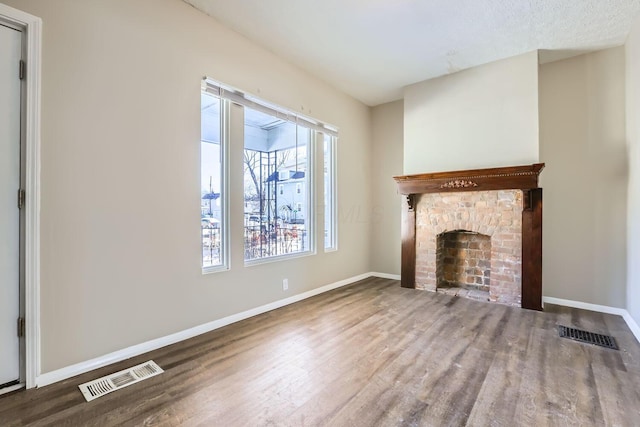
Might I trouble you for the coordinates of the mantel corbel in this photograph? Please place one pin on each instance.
(411, 200)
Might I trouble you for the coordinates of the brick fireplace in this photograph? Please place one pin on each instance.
(475, 233)
(451, 227)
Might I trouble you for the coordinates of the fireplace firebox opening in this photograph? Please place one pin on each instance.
(463, 264)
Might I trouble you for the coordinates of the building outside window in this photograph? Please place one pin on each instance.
(276, 183)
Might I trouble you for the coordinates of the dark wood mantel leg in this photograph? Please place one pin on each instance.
(532, 249)
(408, 258)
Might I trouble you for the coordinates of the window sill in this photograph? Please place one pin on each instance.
(215, 269)
(278, 258)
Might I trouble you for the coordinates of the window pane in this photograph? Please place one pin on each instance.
(330, 235)
(211, 179)
(276, 182)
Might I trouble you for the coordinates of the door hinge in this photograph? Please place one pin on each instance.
(23, 67)
(21, 198)
(20, 327)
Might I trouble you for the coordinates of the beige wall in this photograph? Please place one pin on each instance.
(120, 174)
(633, 150)
(387, 139)
(486, 116)
(582, 142)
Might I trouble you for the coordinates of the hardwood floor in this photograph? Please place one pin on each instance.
(372, 353)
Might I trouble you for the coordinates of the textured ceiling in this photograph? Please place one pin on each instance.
(371, 49)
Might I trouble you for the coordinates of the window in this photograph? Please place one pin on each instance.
(330, 233)
(278, 177)
(212, 184)
(276, 157)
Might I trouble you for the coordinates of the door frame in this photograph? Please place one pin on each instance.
(32, 28)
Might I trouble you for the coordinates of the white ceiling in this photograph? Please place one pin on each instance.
(371, 49)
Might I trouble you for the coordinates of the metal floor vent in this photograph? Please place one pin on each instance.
(587, 337)
(101, 386)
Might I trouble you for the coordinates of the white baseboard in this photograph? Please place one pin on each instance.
(635, 329)
(585, 305)
(386, 275)
(633, 325)
(126, 353)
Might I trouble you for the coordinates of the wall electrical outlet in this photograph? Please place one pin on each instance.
(285, 284)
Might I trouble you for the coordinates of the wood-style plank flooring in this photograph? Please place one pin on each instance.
(370, 354)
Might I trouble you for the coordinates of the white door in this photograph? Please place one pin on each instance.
(10, 54)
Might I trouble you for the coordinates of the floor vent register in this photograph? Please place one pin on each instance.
(587, 337)
(105, 385)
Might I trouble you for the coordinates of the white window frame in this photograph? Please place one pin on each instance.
(233, 95)
(333, 180)
(225, 264)
(309, 183)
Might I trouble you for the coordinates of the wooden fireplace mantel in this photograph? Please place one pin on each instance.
(523, 178)
(512, 177)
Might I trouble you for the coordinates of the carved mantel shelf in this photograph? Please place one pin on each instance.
(512, 177)
(503, 178)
